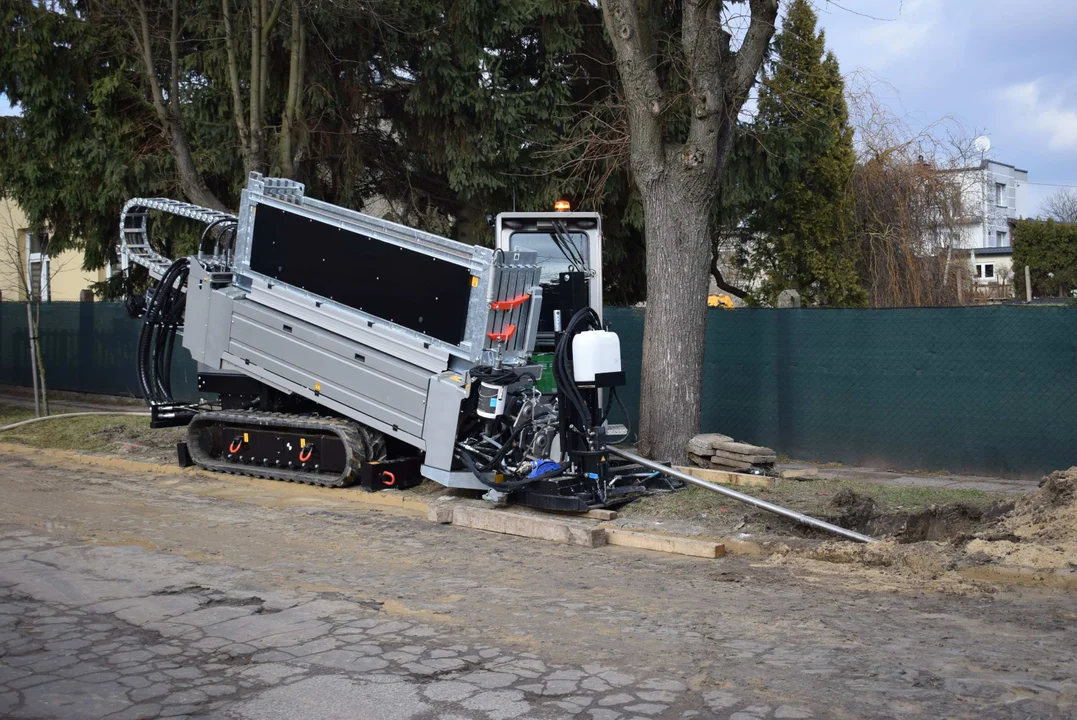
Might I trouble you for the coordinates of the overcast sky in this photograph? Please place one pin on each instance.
(1007, 68)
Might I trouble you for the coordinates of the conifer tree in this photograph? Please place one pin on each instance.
(805, 229)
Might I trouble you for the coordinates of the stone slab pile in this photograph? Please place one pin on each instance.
(721, 452)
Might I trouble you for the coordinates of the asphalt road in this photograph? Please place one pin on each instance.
(143, 595)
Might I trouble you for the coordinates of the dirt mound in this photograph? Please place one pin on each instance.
(1037, 534)
(1040, 532)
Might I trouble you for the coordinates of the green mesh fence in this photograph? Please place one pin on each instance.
(87, 347)
(986, 390)
(989, 390)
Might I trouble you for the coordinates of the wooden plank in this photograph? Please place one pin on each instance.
(440, 512)
(799, 473)
(539, 528)
(724, 477)
(721, 463)
(663, 543)
(600, 514)
(753, 459)
(742, 448)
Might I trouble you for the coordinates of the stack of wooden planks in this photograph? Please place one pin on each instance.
(721, 452)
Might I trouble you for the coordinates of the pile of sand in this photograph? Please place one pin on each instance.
(1040, 532)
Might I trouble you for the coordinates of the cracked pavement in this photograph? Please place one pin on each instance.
(135, 595)
(114, 632)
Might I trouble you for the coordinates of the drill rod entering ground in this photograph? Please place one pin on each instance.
(756, 502)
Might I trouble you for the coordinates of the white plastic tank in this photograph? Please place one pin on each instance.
(595, 352)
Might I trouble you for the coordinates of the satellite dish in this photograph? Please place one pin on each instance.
(983, 144)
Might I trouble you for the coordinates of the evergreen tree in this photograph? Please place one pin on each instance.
(804, 230)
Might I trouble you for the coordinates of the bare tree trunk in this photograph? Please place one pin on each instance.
(678, 237)
(678, 181)
(31, 332)
(257, 160)
(190, 179)
(41, 379)
(295, 90)
(238, 110)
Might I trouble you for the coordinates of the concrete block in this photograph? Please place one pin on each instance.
(741, 448)
(703, 444)
(666, 544)
(760, 459)
(540, 528)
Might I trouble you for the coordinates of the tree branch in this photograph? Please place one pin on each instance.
(233, 79)
(720, 280)
(173, 46)
(704, 41)
(749, 58)
(630, 32)
(142, 41)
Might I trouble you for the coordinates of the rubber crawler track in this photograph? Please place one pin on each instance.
(361, 444)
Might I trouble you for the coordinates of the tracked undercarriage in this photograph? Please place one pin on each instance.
(298, 448)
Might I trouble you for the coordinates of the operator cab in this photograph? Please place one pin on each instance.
(569, 247)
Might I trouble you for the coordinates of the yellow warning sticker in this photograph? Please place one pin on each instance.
(317, 387)
(245, 438)
(302, 442)
(474, 281)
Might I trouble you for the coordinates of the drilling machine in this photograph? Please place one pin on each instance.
(343, 348)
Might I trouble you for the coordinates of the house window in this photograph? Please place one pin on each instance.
(985, 271)
(1000, 238)
(1000, 194)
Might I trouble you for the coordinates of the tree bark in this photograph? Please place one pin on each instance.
(678, 237)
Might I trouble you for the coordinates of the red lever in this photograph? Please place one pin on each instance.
(503, 336)
(510, 304)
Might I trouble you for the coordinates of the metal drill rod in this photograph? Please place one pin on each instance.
(756, 502)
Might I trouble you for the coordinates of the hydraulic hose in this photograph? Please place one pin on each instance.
(12, 426)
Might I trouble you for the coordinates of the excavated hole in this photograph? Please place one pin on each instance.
(940, 522)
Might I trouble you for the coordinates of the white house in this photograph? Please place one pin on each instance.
(994, 194)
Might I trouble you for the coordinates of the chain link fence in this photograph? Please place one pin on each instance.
(984, 390)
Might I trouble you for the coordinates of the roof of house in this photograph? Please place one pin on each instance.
(1008, 250)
